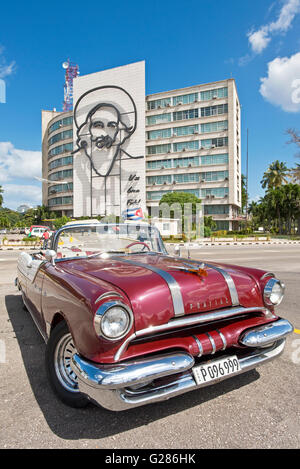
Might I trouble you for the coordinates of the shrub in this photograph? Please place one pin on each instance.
(220, 233)
(31, 238)
(207, 232)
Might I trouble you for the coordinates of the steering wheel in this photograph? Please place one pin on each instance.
(138, 242)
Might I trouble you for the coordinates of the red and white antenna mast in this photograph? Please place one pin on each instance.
(72, 71)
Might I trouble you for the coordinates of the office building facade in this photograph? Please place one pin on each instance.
(187, 140)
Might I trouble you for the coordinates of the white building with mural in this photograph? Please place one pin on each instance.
(118, 149)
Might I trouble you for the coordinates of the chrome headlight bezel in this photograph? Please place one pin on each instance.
(102, 313)
(269, 291)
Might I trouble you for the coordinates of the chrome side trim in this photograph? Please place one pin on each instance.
(43, 334)
(213, 344)
(267, 334)
(191, 320)
(199, 346)
(230, 283)
(267, 274)
(170, 281)
(108, 294)
(223, 339)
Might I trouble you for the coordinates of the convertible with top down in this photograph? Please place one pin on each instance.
(127, 324)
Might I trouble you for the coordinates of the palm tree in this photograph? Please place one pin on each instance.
(295, 174)
(275, 176)
(1, 196)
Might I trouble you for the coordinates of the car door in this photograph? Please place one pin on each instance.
(33, 277)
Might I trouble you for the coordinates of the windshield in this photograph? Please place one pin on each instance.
(101, 239)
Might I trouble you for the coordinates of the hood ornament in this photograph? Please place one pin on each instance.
(199, 269)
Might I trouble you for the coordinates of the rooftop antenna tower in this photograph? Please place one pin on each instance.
(72, 71)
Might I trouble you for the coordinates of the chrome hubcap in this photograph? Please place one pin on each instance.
(64, 351)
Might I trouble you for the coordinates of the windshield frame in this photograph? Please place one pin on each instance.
(90, 225)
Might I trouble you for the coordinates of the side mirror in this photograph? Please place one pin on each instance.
(50, 255)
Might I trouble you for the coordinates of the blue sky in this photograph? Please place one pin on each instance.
(183, 43)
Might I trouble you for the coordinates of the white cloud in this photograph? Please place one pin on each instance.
(16, 163)
(282, 85)
(16, 194)
(5, 69)
(260, 39)
(286, 16)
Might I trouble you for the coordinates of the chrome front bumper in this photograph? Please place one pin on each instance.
(131, 384)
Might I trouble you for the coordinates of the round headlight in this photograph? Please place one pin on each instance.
(113, 320)
(273, 292)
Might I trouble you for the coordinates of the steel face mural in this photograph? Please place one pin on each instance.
(107, 156)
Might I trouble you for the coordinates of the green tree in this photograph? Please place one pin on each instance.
(295, 139)
(59, 222)
(244, 193)
(180, 198)
(4, 221)
(1, 196)
(183, 205)
(210, 223)
(275, 176)
(295, 174)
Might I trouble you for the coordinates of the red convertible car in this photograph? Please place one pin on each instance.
(126, 324)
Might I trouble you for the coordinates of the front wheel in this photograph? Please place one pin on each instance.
(63, 380)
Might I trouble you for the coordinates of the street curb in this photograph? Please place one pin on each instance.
(15, 248)
(230, 243)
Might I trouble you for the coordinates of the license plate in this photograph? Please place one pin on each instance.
(217, 369)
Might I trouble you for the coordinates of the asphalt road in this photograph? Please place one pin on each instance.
(259, 409)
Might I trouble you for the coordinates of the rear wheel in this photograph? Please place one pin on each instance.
(63, 380)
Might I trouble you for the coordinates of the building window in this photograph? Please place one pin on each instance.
(186, 130)
(186, 162)
(185, 99)
(188, 114)
(214, 127)
(182, 146)
(163, 133)
(214, 159)
(157, 195)
(216, 209)
(66, 173)
(186, 178)
(214, 94)
(60, 201)
(159, 119)
(214, 176)
(214, 110)
(215, 192)
(163, 179)
(60, 188)
(61, 123)
(159, 164)
(157, 149)
(61, 162)
(214, 142)
(60, 149)
(158, 104)
(60, 136)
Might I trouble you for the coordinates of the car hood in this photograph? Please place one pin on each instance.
(147, 282)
